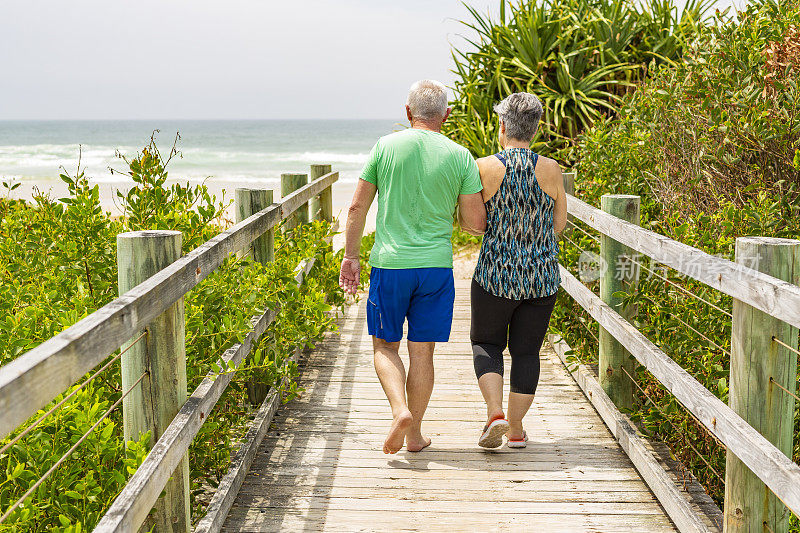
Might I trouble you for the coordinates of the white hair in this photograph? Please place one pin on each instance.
(521, 113)
(427, 100)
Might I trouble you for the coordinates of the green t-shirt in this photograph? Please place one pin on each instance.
(419, 175)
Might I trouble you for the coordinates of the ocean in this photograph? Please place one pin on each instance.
(225, 152)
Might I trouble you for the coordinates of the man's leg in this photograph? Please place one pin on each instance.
(392, 375)
(430, 316)
(419, 388)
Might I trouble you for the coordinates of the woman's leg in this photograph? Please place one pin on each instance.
(489, 332)
(525, 337)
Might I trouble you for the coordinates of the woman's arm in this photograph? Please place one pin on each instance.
(548, 172)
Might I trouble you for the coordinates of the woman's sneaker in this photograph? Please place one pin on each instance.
(492, 436)
(518, 443)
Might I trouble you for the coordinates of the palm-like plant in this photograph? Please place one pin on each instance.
(578, 56)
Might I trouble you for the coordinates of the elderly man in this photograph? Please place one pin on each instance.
(420, 176)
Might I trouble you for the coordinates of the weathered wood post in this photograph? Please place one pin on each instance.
(569, 188)
(621, 274)
(248, 203)
(289, 184)
(321, 205)
(757, 364)
(569, 182)
(161, 353)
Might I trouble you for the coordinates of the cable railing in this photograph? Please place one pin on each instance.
(765, 316)
(33, 380)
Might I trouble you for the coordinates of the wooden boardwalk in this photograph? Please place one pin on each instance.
(320, 467)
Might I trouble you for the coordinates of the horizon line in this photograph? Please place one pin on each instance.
(185, 119)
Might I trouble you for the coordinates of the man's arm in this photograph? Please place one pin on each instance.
(350, 271)
(472, 213)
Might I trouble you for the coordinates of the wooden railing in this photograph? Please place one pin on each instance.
(33, 380)
(765, 315)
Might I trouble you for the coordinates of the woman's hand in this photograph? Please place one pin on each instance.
(349, 275)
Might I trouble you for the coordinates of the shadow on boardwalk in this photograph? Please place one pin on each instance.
(321, 466)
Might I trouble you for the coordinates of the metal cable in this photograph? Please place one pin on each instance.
(791, 349)
(593, 237)
(69, 452)
(790, 393)
(725, 351)
(687, 291)
(70, 395)
(585, 325)
(574, 244)
(700, 455)
(688, 412)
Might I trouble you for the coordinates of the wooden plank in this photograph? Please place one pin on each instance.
(535, 454)
(469, 493)
(779, 473)
(393, 505)
(426, 489)
(775, 297)
(31, 381)
(370, 519)
(670, 495)
(295, 471)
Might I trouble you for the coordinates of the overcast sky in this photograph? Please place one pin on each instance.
(107, 59)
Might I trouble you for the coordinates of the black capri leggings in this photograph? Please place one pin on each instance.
(520, 324)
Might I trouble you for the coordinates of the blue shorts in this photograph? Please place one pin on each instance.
(424, 295)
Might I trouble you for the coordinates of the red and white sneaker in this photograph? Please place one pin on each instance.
(518, 443)
(492, 436)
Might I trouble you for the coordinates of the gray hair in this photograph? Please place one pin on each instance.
(520, 112)
(427, 100)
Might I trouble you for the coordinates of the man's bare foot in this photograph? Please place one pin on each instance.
(417, 444)
(397, 433)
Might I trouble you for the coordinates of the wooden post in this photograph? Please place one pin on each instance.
(569, 182)
(161, 353)
(289, 184)
(757, 363)
(322, 205)
(248, 203)
(621, 274)
(569, 188)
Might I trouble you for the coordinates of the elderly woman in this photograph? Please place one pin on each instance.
(516, 277)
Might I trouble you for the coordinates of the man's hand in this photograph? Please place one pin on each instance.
(349, 275)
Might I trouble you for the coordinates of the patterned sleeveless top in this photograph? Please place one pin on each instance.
(519, 254)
